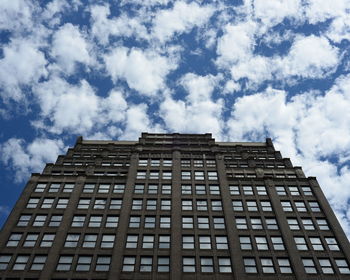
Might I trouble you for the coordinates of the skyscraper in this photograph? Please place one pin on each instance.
(173, 206)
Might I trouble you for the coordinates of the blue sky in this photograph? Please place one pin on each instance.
(242, 70)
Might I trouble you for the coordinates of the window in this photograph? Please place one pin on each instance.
(204, 242)
(203, 222)
(281, 190)
(112, 221)
(248, 190)
(166, 189)
(131, 241)
(165, 222)
(256, 223)
(187, 222)
(118, 188)
(202, 205)
(136, 204)
(115, 204)
(129, 264)
(78, 221)
(252, 206)
(261, 243)
(134, 222)
(141, 175)
(152, 189)
(211, 163)
(316, 243)
(314, 206)
(148, 242)
(151, 204)
(185, 163)
(164, 241)
(30, 240)
(245, 243)
(62, 203)
(20, 262)
(300, 205)
(165, 204)
(326, 266)
(146, 264)
(198, 163)
(163, 264)
(90, 241)
(216, 205)
(40, 188)
(219, 223)
(54, 188)
(308, 224)
(241, 223)
(95, 221)
(207, 264)
(199, 175)
(186, 205)
(309, 266)
(68, 188)
(72, 240)
(322, 224)
(293, 224)
(342, 266)
(155, 162)
(188, 264)
(47, 240)
(4, 261)
(103, 263)
(23, 220)
(237, 205)
(293, 190)
(287, 206)
(154, 175)
(47, 203)
(187, 242)
(167, 162)
(14, 239)
(89, 188)
(150, 222)
(186, 189)
(234, 190)
(200, 189)
(139, 189)
(307, 191)
(277, 243)
(267, 265)
(84, 263)
(266, 206)
(185, 175)
(214, 189)
(32, 203)
(212, 175)
(167, 175)
(271, 223)
(261, 190)
(284, 265)
(301, 243)
(221, 242)
(55, 220)
(38, 263)
(143, 162)
(100, 203)
(249, 265)
(332, 243)
(39, 220)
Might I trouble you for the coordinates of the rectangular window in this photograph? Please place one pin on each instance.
(151, 204)
(261, 243)
(129, 264)
(343, 266)
(146, 264)
(154, 175)
(131, 241)
(267, 265)
(200, 189)
(167, 175)
(187, 222)
(198, 163)
(271, 223)
(100, 204)
(166, 189)
(152, 189)
(118, 188)
(237, 205)
(287, 206)
(20, 262)
(40, 188)
(216, 205)
(167, 162)
(89, 188)
(62, 203)
(39, 220)
(143, 162)
(30, 240)
(112, 221)
(309, 266)
(47, 240)
(314, 206)
(95, 221)
(103, 188)
(72, 240)
(245, 243)
(38, 263)
(185, 163)
(103, 263)
(281, 191)
(164, 242)
(248, 190)
(207, 264)
(322, 224)
(256, 223)
(54, 188)
(83, 263)
(165, 204)
(266, 206)
(136, 204)
(185, 175)
(165, 222)
(186, 205)
(307, 191)
(332, 244)
(163, 264)
(234, 190)
(284, 265)
(293, 190)
(68, 188)
(148, 242)
(32, 203)
(47, 203)
(252, 206)
(301, 243)
(250, 265)
(4, 261)
(326, 266)
(211, 163)
(199, 175)
(293, 224)
(64, 263)
(150, 222)
(219, 222)
(14, 239)
(261, 190)
(188, 264)
(221, 242)
(139, 189)
(187, 242)
(141, 175)
(204, 242)
(23, 220)
(308, 224)
(277, 243)
(186, 189)
(212, 175)
(89, 241)
(155, 162)
(214, 190)
(202, 205)
(316, 243)
(224, 265)
(241, 223)
(116, 204)
(300, 205)
(78, 221)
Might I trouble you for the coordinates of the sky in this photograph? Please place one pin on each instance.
(241, 70)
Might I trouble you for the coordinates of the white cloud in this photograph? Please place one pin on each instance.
(23, 64)
(339, 29)
(76, 108)
(318, 11)
(144, 71)
(70, 47)
(24, 158)
(180, 19)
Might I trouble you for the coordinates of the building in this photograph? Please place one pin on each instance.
(173, 206)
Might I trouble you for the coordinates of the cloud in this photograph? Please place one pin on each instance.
(144, 71)
(23, 64)
(339, 29)
(180, 19)
(23, 158)
(317, 11)
(69, 47)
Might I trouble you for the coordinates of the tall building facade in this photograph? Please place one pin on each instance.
(173, 206)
